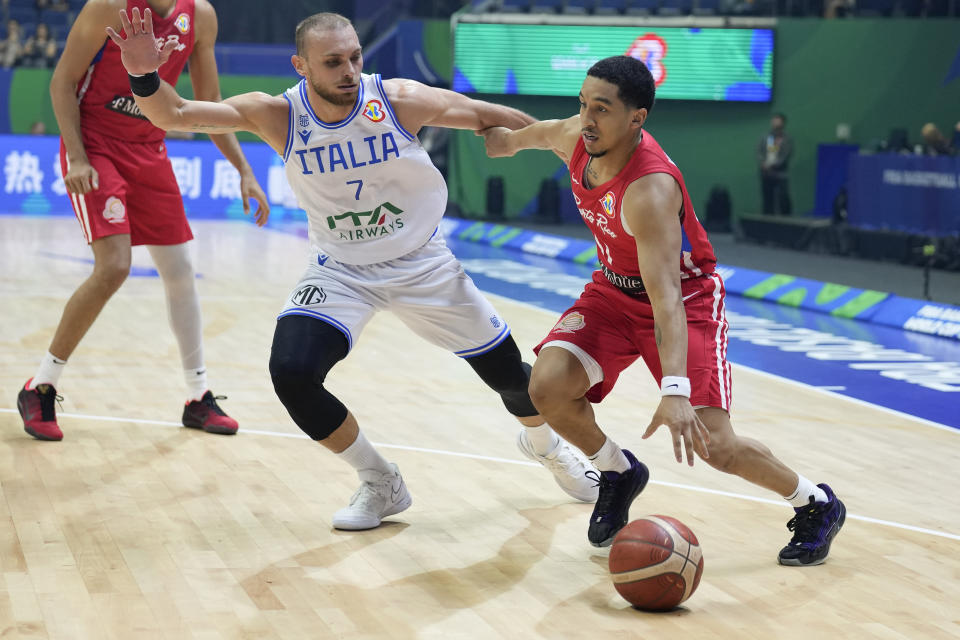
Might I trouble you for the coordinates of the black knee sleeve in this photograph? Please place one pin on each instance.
(506, 373)
(304, 350)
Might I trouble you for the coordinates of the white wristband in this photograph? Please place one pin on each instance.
(675, 386)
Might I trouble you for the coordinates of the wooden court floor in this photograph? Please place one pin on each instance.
(133, 527)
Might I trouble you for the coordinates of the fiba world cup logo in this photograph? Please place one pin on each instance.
(650, 49)
(182, 23)
(373, 111)
(608, 202)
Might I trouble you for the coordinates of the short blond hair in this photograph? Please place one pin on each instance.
(320, 22)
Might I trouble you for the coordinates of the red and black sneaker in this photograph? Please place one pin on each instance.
(206, 414)
(38, 413)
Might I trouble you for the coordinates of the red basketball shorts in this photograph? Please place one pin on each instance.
(138, 192)
(608, 330)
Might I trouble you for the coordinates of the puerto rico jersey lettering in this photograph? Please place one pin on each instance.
(106, 102)
(369, 188)
(600, 209)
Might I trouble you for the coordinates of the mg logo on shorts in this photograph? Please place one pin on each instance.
(308, 295)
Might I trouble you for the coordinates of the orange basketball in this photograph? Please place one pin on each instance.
(656, 563)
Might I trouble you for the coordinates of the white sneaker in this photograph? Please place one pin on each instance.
(570, 468)
(380, 495)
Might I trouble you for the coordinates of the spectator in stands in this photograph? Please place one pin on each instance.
(29, 55)
(51, 52)
(12, 47)
(40, 50)
(935, 143)
(839, 8)
(773, 159)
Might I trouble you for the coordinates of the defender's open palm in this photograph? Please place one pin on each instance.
(140, 52)
(684, 424)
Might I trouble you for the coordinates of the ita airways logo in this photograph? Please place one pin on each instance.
(650, 49)
(570, 323)
(609, 203)
(182, 23)
(373, 111)
(113, 211)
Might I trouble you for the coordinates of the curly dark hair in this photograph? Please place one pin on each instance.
(634, 81)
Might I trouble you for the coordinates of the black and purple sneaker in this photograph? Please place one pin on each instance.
(814, 528)
(617, 491)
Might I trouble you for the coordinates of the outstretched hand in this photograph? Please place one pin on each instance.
(140, 52)
(686, 428)
(250, 189)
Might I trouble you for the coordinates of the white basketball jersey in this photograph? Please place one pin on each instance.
(370, 190)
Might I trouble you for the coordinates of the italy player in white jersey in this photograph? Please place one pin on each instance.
(373, 200)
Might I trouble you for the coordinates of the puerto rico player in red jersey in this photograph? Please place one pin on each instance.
(656, 297)
(123, 190)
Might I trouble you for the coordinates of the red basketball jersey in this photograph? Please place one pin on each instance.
(600, 209)
(106, 102)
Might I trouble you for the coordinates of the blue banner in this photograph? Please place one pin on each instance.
(917, 194)
(32, 181)
(210, 186)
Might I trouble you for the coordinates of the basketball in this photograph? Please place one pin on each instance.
(656, 563)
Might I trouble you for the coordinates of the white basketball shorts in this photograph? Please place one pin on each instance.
(426, 288)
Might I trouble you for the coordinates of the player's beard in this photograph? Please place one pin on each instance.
(338, 99)
(596, 154)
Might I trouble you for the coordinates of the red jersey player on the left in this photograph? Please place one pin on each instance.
(123, 190)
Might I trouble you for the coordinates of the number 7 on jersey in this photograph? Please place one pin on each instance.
(359, 184)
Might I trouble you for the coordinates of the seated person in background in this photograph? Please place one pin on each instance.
(50, 54)
(29, 56)
(38, 56)
(935, 143)
(41, 36)
(40, 49)
(11, 48)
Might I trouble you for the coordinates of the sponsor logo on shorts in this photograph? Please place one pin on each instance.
(308, 295)
(495, 321)
(373, 111)
(570, 323)
(113, 211)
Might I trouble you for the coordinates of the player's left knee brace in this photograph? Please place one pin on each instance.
(506, 373)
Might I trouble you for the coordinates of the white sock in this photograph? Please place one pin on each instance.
(543, 439)
(196, 380)
(805, 489)
(363, 457)
(610, 458)
(175, 266)
(49, 372)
